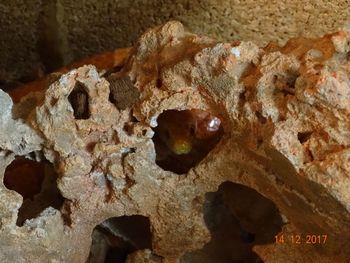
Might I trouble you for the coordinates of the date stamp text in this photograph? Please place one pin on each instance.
(301, 239)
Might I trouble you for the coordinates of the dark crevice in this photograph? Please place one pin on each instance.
(115, 238)
(238, 218)
(260, 117)
(79, 99)
(304, 136)
(130, 124)
(25, 177)
(66, 212)
(90, 146)
(110, 191)
(285, 84)
(159, 83)
(36, 183)
(281, 81)
(128, 127)
(53, 101)
(37, 156)
(310, 156)
(183, 138)
(112, 99)
(259, 142)
(242, 96)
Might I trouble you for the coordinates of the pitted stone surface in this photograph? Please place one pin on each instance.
(285, 114)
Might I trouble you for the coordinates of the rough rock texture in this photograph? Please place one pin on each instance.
(285, 115)
(43, 35)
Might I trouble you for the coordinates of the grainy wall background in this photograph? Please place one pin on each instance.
(37, 36)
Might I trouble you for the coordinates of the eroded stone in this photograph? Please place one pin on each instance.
(285, 116)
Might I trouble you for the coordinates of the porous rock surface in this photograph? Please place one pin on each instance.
(285, 114)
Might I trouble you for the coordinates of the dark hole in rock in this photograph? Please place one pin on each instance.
(90, 146)
(53, 101)
(36, 182)
(130, 124)
(282, 81)
(183, 138)
(159, 83)
(242, 96)
(25, 177)
(115, 238)
(310, 155)
(128, 127)
(260, 117)
(66, 211)
(79, 99)
(122, 94)
(238, 218)
(304, 136)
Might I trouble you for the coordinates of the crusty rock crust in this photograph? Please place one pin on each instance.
(285, 114)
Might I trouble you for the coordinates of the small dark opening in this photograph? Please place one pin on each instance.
(115, 238)
(238, 218)
(304, 136)
(128, 127)
(111, 98)
(242, 96)
(25, 177)
(260, 117)
(36, 182)
(310, 155)
(159, 83)
(183, 138)
(66, 211)
(79, 99)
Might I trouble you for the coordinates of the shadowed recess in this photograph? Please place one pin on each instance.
(304, 136)
(36, 182)
(79, 99)
(183, 138)
(238, 218)
(115, 238)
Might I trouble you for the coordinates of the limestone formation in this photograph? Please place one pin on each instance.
(274, 187)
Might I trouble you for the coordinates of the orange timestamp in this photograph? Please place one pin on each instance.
(301, 239)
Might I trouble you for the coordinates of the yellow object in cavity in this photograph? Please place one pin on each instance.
(181, 146)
